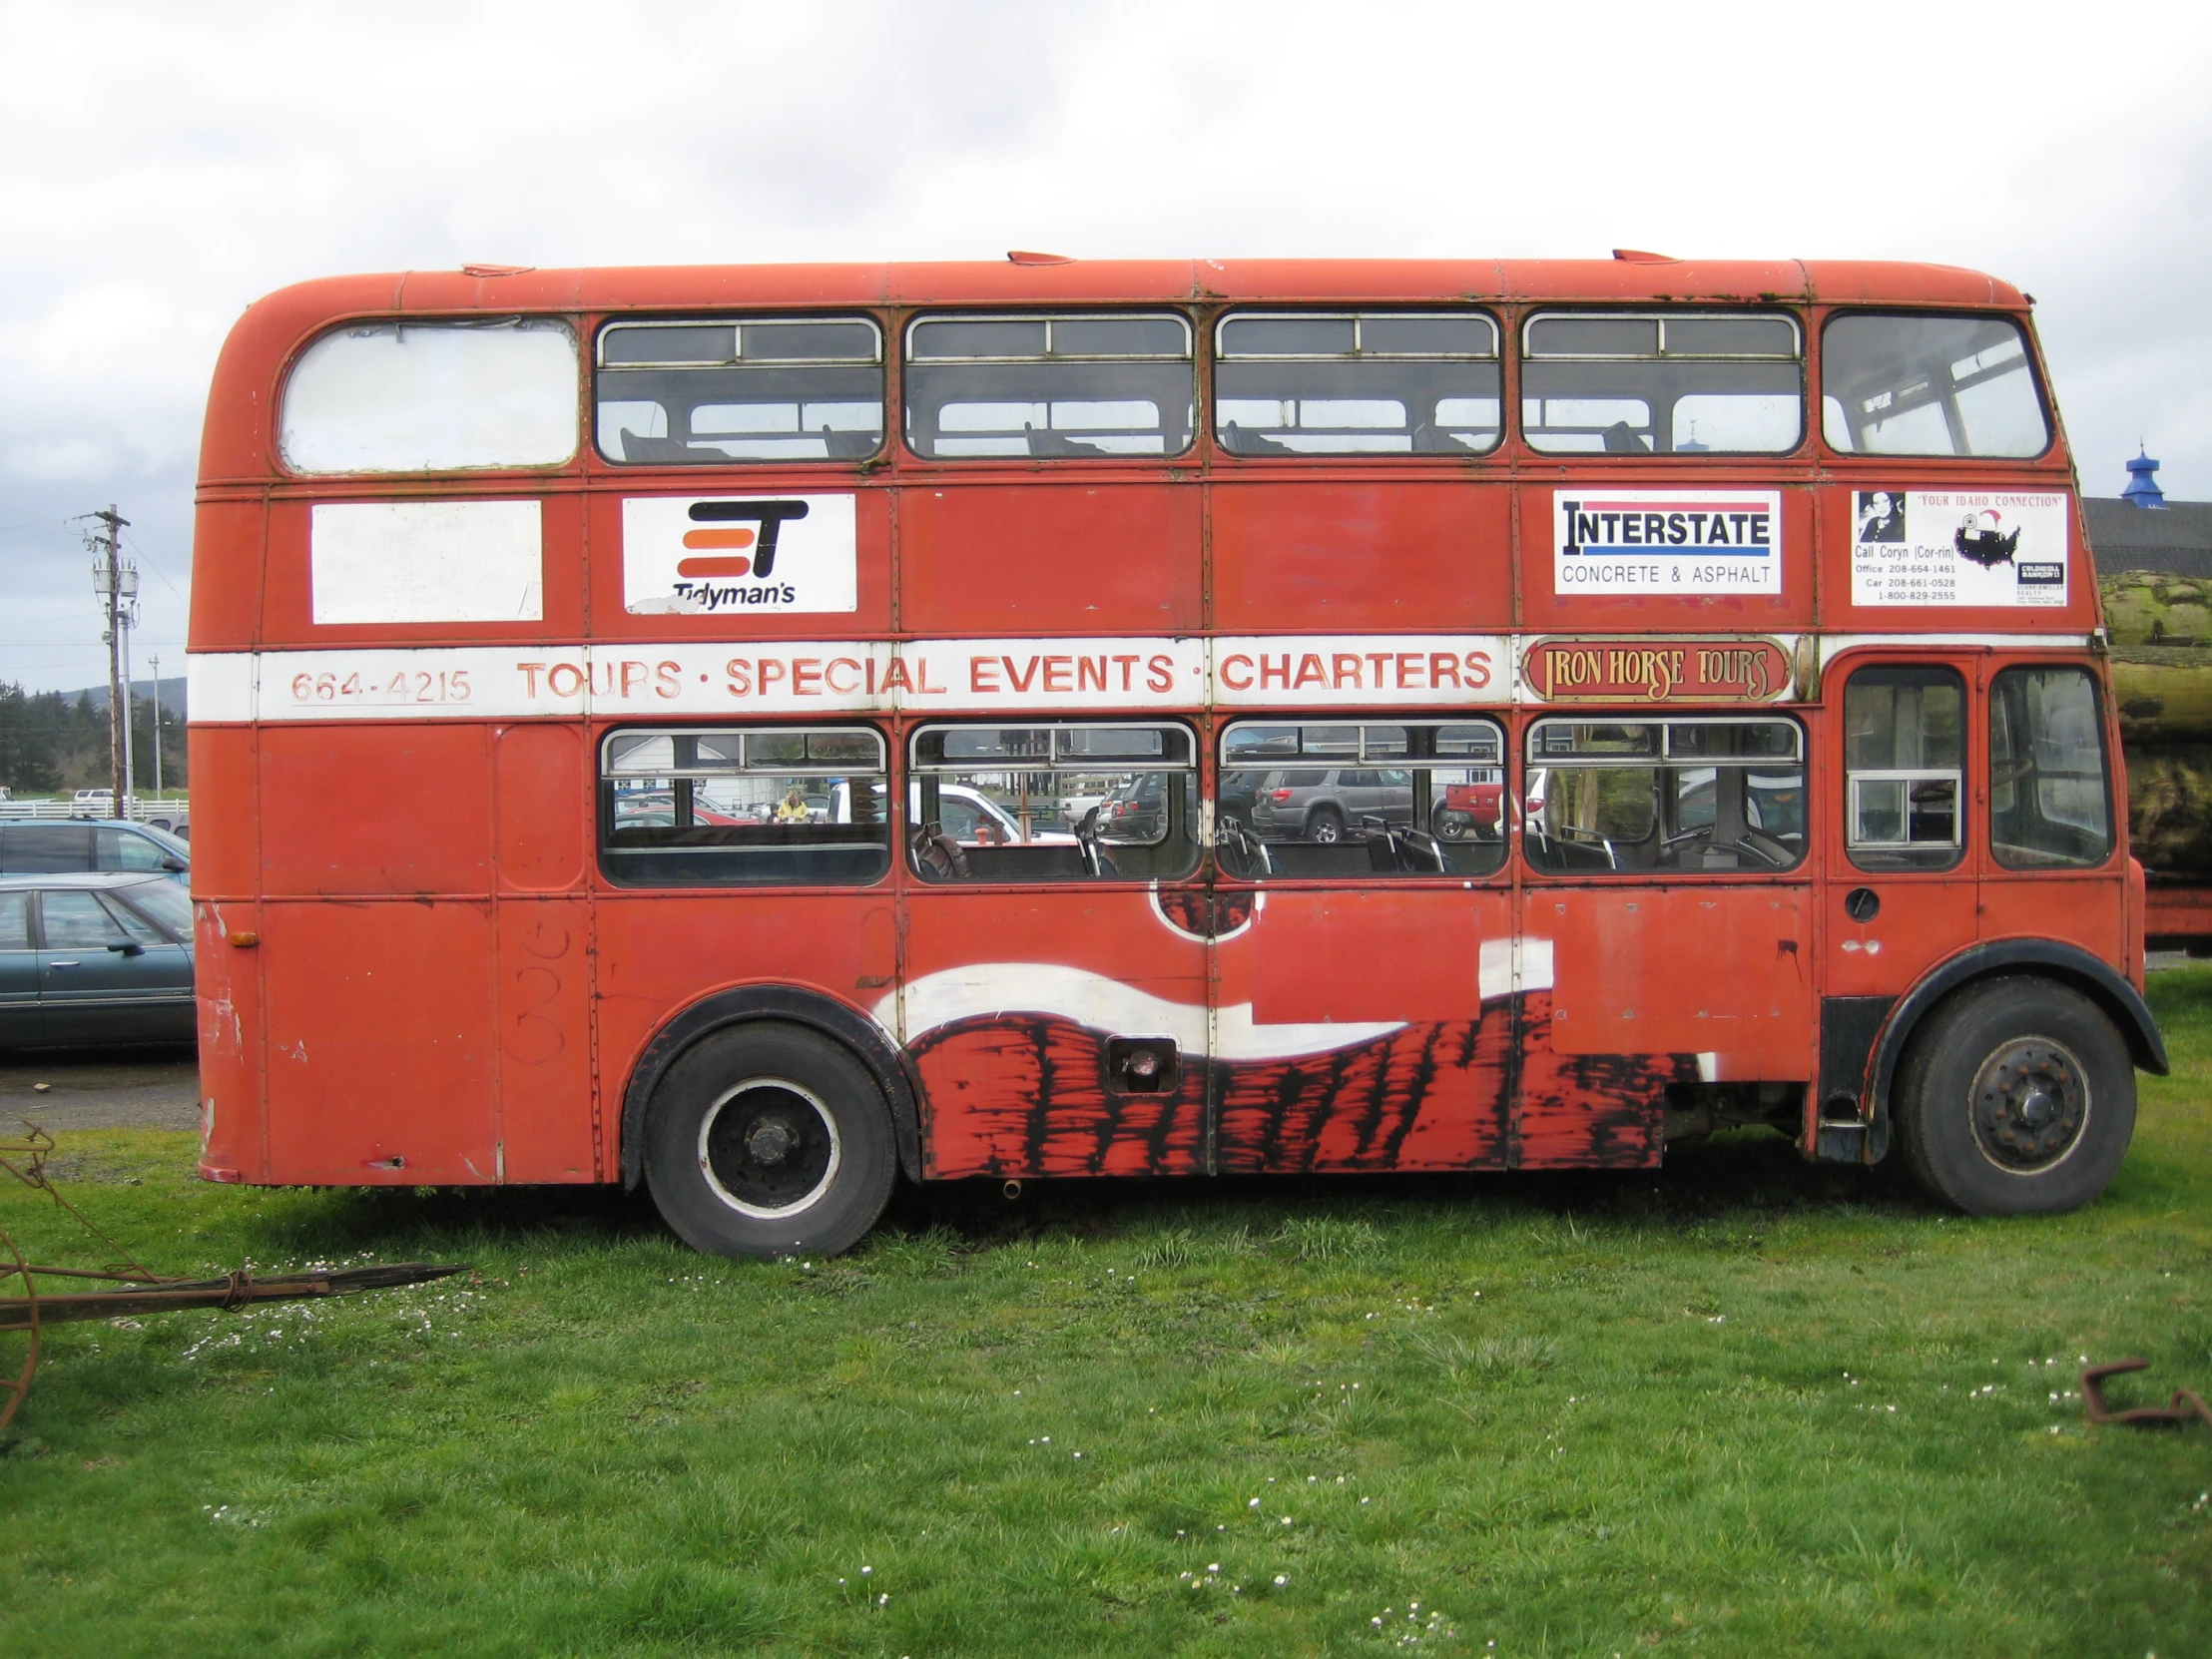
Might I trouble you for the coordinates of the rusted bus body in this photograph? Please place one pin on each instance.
(418, 967)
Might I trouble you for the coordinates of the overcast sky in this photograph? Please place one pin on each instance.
(160, 165)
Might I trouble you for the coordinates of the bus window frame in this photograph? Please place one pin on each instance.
(1354, 313)
(1516, 387)
(1199, 363)
(1888, 462)
(580, 454)
(1663, 758)
(599, 325)
(602, 779)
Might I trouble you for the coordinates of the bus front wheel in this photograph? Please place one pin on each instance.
(766, 1139)
(2016, 1098)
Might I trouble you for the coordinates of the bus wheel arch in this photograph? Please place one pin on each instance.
(766, 1138)
(823, 1015)
(2015, 1096)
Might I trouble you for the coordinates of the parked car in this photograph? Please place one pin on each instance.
(45, 847)
(1325, 805)
(1233, 795)
(91, 959)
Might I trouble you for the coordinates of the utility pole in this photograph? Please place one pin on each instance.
(157, 725)
(107, 582)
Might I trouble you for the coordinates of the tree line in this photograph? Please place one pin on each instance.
(51, 742)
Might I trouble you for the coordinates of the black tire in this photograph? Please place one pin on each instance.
(766, 1139)
(2017, 1097)
(1327, 827)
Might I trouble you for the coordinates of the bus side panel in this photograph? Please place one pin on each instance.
(226, 978)
(545, 1105)
(383, 1055)
(380, 807)
(658, 953)
(1011, 1004)
(1035, 558)
(2089, 912)
(613, 620)
(226, 831)
(1360, 556)
(542, 810)
(1694, 593)
(226, 575)
(288, 608)
(1583, 1111)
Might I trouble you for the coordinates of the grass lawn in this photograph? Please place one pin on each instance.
(1742, 1406)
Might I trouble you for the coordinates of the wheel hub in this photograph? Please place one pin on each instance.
(769, 1148)
(2030, 1101)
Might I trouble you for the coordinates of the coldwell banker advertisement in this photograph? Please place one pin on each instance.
(1666, 541)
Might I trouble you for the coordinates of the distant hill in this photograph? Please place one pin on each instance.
(172, 693)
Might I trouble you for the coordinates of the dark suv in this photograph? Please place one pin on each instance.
(1322, 805)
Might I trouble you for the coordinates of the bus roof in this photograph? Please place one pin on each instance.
(274, 327)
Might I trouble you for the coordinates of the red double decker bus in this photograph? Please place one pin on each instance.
(762, 730)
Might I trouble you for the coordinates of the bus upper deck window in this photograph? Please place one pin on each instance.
(1412, 798)
(1929, 385)
(1053, 802)
(1668, 384)
(1357, 382)
(1718, 793)
(751, 806)
(1089, 387)
(1903, 767)
(2050, 806)
(705, 393)
(432, 397)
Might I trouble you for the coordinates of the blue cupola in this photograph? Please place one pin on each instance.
(2142, 483)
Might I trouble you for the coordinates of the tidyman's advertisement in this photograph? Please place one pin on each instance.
(691, 556)
(1606, 541)
(1958, 547)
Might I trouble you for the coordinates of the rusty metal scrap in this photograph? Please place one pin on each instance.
(2186, 1406)
(137, 1290)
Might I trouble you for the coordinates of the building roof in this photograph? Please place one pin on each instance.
(2176, 538)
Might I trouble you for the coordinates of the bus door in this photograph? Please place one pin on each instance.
(1900, 891)
(1053, 978)
(1362, 968)
(2051, 812)
(1666, 924)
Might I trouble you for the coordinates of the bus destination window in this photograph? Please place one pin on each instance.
(1930, 385)
(1356, 383)
(743, 807)
(1415, 797)
(1087, 388)
(1903, 767)
(739, 389)
(1063, 802)
(1713, 793)
(2049, 802)
(1664, 383)
(432, 397)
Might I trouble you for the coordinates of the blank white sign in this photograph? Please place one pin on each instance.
(428, 561)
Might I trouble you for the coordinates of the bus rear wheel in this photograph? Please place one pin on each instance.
(2016, 1098)
(766, 1139)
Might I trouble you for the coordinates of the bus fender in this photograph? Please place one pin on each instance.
(793, 1006)
(2086, 973)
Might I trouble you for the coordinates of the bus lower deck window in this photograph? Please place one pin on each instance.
(1357, 382)
(1089, 387)
(1903, 767)
(1419, 797)
(1713, 793)
(1052, 802)
(2050, 803)
(1930, 385)
(705, 807)
(1667, 384)
(705, 393)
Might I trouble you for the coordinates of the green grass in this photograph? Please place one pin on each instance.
(1742, 1406)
